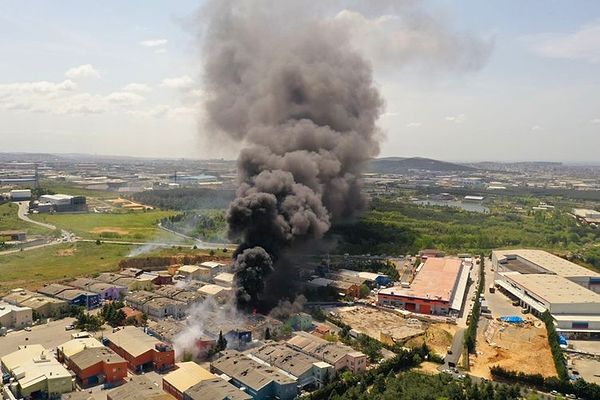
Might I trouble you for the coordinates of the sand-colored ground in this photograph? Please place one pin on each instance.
(429, 368)
(66, 252)
(373, 322)
(437, 336)
(109, 229)
(518, 348)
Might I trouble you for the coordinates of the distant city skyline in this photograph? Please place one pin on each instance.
(124, 79)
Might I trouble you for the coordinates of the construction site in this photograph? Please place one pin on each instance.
(391, 327)
(519, 347)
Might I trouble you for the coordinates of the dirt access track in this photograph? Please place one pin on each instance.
(109, 229)
(522, 348)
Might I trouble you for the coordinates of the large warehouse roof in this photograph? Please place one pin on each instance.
(435, 281)
(555, 289)
(547, 261)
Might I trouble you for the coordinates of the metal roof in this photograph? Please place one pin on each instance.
(187, 375)
(547, 261)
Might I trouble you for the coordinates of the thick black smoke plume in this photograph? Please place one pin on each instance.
(305, 104)
(292, 89)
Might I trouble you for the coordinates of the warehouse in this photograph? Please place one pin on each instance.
(41, 306)
(438, 288)
(184, 377)
(259, 380)
(14, 317)
(340, 356)
(95, 365)
(64, 202)
(142, 352)
(36, 373)
(215, 389)
(541, 281)
(308, 370)
(139, 387)
(72, 296)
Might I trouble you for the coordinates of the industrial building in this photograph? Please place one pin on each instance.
(184, 377)
(340, 356)
(36, 373)
(13, 236)
(14, 317)
(438, 288)
(259, 380)
(62, 203)
(308, 370)
(215, 389)
(541, 281)
(75, 297)
(139, 387)
(20, 194)
(42, 306)
(106, 291)
(142, 352)
(586, 215)
(97, 365)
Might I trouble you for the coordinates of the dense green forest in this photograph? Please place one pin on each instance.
(394, 227)
(416, 386)
(207, 225)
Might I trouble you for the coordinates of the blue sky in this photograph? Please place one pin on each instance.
(123, 77)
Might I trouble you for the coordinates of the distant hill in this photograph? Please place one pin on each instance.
(399, 165)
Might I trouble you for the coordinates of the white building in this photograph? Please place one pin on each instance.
(541, 281)
(20, 194)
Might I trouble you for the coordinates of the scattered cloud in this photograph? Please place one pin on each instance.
(583, 44)
(124, 98)
(413, 125)
(8, 89)
(136, 87)
(389, 114)
(165, 111)
(536, 128)
(182, 82)
(595, 121)
(457, 119)
(82, 72)
(154, 43)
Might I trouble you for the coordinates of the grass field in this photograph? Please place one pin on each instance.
(33, 268)
(9, 221)
(131, 227)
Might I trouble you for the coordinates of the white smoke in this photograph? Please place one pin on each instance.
(207, 319)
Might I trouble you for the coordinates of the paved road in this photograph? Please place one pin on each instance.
(48, 335)
(24, 210)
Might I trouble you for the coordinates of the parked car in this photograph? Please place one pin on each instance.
(69, 327)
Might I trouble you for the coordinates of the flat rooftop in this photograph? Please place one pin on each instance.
(133, 340)
(435, 281)
(555, 289)
(547, 261)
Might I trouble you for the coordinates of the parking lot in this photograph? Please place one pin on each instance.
(499, 304)
(48, 335)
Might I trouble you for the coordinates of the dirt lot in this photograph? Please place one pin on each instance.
(109, 229)
(372, 322)
(437, 336)
(429, 368)
(519, 348)
(588, 367)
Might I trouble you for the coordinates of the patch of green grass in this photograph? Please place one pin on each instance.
(131, 227)
(33, 268)
(9, 220)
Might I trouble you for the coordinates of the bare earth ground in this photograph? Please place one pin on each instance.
(66, 252)
(588, 368)
(371, 322)
(109, 229)
(437, 337)
(429, 368)
(518, 348)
